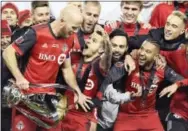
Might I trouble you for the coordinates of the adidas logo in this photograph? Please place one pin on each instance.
(45, 45)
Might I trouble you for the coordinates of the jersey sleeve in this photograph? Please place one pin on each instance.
(171, 75)
(25, 42)
(182, 83)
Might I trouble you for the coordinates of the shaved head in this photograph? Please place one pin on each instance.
(71, 12)
(70, 19)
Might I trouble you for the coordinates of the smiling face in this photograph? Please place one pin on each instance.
(119, 47)
(174, 27)
(130, 12)
(41, 15)
(9, 15)
(147, 54)
(91, 14)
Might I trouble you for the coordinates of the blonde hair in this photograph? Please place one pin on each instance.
(180, 15)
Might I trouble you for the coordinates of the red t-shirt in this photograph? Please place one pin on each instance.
(46, 54)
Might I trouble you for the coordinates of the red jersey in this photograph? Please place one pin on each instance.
(162, 11)
(130, 29)
(133, 81)
(90, 89)
(178, 61)
(91, 86)
(46, 54)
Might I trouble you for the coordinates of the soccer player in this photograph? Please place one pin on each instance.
(148, 77)
(91, 12)
(92, 65)
(129, 24)
(178, 116)
(47, 46)
(170, 37)
(40, 12)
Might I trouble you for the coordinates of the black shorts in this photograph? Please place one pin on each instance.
(176, 123)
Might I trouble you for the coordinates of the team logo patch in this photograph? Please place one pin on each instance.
(61, 59)
(20, 125)
(19, 40)
(65, 48)
(89, 85)
(119, 64)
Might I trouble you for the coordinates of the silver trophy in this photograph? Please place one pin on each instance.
(45, 110)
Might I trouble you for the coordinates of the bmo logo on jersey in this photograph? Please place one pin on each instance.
(61, 58)
(47, 57)
(135, 85)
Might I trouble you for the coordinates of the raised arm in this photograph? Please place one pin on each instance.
(106, 58)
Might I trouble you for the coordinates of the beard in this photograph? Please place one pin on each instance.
(88, 29)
